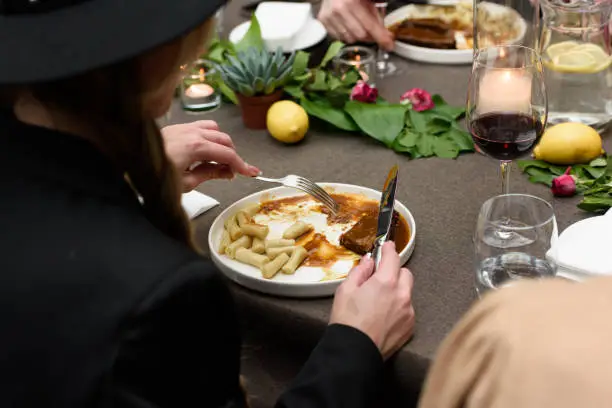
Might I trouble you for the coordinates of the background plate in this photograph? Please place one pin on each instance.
(313, 33)
(297, 285)
(437, 56)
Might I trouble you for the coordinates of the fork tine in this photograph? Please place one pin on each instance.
(320, 194)
(324, 193)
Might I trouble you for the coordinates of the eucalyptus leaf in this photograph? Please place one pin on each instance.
(438, 126)
(383, 123)
(332, 51)
(455, 112)
(328, 113)
(252, 38)
(539, 175)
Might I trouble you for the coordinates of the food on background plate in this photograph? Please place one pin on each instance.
(283, 235)
(451, 26)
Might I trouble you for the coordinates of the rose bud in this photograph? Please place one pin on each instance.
(564, 185)
(363, 92)
(419, 99)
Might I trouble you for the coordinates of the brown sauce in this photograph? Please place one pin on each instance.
(352, 207)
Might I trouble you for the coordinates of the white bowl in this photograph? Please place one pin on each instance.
(299, 284)
(438, 56)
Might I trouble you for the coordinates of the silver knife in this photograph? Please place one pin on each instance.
(385, 215)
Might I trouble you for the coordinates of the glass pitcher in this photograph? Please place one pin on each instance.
(576, 53)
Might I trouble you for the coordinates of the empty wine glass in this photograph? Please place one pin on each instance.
(384, 67)
(532, 224)
(507, 105)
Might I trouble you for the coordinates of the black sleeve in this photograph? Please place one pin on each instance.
(182, 347)
(344, 370)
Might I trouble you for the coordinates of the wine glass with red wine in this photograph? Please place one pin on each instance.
(507, 106)
(384, 67)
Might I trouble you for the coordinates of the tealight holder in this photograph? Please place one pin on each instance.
(356, 57)
(197, 91)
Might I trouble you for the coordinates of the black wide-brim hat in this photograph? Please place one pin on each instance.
(43, 40)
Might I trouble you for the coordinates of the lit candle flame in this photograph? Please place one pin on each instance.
(202, 75)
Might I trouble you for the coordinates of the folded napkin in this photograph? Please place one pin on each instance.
(583, 249)
(196, 203)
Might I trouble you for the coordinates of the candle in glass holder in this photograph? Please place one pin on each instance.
(360, 58)
(197, 94)
(505, 90)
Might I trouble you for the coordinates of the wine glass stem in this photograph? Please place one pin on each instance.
(382, 56)
(504, 167)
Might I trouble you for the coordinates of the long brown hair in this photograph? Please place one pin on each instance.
(112, 98)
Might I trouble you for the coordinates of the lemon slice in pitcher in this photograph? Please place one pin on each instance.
(571, 57)
(560, 48)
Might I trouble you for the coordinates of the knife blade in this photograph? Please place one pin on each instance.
(385, 214)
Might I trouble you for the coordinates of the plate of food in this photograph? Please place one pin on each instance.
(283, 242)
(443, 33)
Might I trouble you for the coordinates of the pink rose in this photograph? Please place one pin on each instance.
(363, 92)
(419, 99)
(564, 185)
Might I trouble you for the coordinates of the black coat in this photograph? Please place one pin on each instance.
(98, 308)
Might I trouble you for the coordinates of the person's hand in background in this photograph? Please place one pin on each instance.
(355, 20)
(378, 303)
(200, 152)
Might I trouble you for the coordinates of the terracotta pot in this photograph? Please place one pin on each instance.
(255, 108)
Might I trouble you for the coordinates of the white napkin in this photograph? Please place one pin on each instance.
(196, 203)
(583, 250)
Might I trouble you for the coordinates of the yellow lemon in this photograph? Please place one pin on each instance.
(569, 143)
(572, 57)
(287, 121)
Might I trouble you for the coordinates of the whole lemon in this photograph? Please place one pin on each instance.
(569, 143)
(287, 121)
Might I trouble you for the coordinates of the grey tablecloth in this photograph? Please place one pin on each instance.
(443, 195)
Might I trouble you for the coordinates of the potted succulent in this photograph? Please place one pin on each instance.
(257, 77)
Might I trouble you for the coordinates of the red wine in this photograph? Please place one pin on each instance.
(506, 136)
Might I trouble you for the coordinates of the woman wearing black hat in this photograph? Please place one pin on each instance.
(105, 301)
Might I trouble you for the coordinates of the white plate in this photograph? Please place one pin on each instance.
(437, 56)
(306, 281)
(313, 33)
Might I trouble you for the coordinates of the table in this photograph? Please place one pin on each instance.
(443, 195)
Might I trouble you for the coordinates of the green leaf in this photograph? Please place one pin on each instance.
(333, 82)
(438, 100)
(408, 138)
(539, 175)
(383, 123)
(596, 204)
(300, 64)
(417, 120)
(332, 51)
(351, 78)
(445, 147)
(252, 38)
(438, 126)
(295, 91)
(320, 81)
(461, 138)
(425, 144)
(455, 112)
(595, 172)
(526, 164)
(323, 110)
(599, 162)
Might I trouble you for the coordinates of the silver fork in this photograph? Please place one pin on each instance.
(306, 186)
